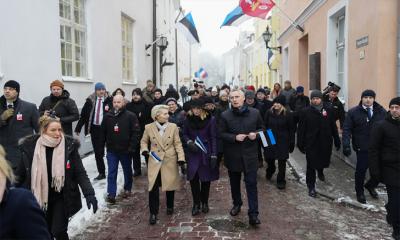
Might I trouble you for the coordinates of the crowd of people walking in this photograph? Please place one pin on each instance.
(241, 128)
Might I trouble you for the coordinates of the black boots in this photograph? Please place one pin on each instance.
(321, 175)
(361, 198)
(254, 221)
(205, 208)
(312, 192)
(371, 191)
(196, 210)
(100, 177)
(153, 219)
(235, 210)
(170, 211)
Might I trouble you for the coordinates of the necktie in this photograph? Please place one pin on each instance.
(97, 119)
(369, 112)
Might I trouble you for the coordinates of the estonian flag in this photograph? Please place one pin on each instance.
(271, 57)
(187, 27)
(200, 144)
(235, 18)
(267, 138)
(155, 157)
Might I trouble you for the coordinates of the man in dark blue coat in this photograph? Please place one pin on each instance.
(357, 126)
(238, 130)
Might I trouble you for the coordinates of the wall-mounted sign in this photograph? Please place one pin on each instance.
(362, 42)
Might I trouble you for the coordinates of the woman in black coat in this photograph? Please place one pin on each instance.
(52, 169)
(317, 131)
(280, 121)
(20, 215)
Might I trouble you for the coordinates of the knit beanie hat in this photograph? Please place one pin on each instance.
(300, 89)
(57, 83)
(99, 86)
(12, 84)
(395, 101)
(171, 99)
(316, 94)
(368, 93)
(250, 94)
(280, 99)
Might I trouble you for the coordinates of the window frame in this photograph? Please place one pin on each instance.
(127, 49)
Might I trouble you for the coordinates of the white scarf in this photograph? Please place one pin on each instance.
(161, 128)
(39, 181)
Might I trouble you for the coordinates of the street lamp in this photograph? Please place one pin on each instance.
(267, 35)
(162, 43)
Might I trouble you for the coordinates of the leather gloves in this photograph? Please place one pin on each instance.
(92, 201)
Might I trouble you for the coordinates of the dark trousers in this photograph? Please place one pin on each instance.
(200, 190)
(57, 220)
(98, 142)
(154, 197)
(361, 170)
(260, 156)
(136, 161)
(311, 176)
(393, 206)
(271, 168)
(113, 160)
(250, 179)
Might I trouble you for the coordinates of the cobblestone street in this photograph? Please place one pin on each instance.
(288, 214)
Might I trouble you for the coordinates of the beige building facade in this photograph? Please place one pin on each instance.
(353, 43)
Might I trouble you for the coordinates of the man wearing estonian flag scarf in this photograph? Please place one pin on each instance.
(199, 132)
(237, 128)
(316, 133)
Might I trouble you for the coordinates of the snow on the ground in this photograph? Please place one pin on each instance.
(85, 217)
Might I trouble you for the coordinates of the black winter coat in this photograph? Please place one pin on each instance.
(298, 103)
(357, 127)
(66, 110)
(315, 135)
(172, 93)
(384, 152)
(87, 113)
(240, 156)
(220, 108)
(122, 131)
(21, 216)
(282, 127)
(142, 110)
(337, 108)
(13, 129)
(75, 173)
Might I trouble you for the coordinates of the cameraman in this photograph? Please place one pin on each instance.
(59, 104)
(332, 101)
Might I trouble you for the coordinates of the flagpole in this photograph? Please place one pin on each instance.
(297, 26)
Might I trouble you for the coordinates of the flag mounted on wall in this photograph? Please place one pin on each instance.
(235, 18)
(256, 8)
(188, 28)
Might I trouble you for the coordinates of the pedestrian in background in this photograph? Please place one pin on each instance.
(96, 106)
(280, 121)
(238, 129)
(202, 169)
(184, 93)
(18, 119)
(21, 216)
(357, 126)
(60, 104)
(276, 91)
(158, 97)
(172, 93)
(288, 91)
(384, 161)
(142, 110)
(166, 154)
(121, 92)
(317, 131)
(121, 129)
(332, 101)
(148, 91)
(52, 169)
(298, 102)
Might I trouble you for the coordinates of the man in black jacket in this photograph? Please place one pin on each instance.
(142, 110)
(121, 128)
(384, 161)
(298, 102)
(331, 100)
(18, 119)
(357, 126)
(59, 104)
(92, 114)
(316, 132)
(238, 129)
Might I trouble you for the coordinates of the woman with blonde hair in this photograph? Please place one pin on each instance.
(21, 216)
(166, 153)
(52, 169)
(276, 91)
(199, 133)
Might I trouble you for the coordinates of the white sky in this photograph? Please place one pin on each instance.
(208, 16)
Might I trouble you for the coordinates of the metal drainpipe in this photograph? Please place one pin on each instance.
(154, 38)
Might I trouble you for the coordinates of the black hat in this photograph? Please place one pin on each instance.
(171, 99)
(395, 101)
(368, 93)
(280, 99)
(192, 92)
(197, 103)
(207, 99)
(316, 94)
(262, 90)
(12, 84)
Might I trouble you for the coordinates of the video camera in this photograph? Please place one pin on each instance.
(52, 113)
(331, 86)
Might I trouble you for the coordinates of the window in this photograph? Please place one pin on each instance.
(127, 49)
(340, 50)
(73, 38)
